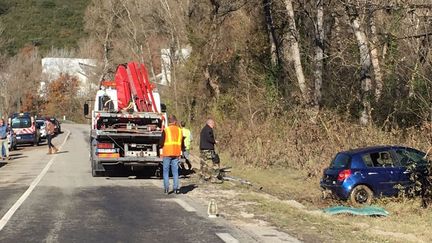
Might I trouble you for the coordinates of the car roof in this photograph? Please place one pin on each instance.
(372, 149)
(20, 116)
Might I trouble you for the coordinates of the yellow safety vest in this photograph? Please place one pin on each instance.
(173, 141)
(187, 135)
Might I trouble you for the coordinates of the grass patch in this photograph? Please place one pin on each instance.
(314, 227)
(285, 183)
(407, 221)
(286, 156)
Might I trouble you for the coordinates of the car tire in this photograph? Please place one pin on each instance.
(361, 195)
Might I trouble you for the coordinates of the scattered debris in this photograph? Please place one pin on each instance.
(222, 175)
(212, 209)
(365, 211)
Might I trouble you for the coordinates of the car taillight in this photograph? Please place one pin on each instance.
(343, 175)
(105, 145)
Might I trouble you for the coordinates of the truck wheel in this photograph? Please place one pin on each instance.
(361, 195)
(96, 173)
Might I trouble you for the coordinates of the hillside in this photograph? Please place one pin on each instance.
(46, 23)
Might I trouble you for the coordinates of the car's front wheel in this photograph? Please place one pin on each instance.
(361, 195)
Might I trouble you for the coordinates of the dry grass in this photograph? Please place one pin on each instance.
(407, 221)
(313, 226)
(294, 140)
(284, 183)
(286, 155)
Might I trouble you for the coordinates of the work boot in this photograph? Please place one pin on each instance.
(49, 151)
(55, 150)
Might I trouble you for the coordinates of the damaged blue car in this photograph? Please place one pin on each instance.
(359, 175)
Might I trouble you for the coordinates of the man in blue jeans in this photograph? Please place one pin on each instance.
(4, 140)
(171, 144)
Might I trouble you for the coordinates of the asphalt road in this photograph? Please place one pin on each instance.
(66, 204)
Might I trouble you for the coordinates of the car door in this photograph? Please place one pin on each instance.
(402, 161)
(406, 157)
(380, 175)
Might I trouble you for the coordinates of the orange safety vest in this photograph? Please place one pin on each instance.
(173, 140)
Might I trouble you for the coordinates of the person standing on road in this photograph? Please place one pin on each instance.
(49, 128)
(171, 144)
(187, 135)
(4, 140)
(209, 161)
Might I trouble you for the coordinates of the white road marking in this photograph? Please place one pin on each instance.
(184, 205)
(5, 219)
(227, 238)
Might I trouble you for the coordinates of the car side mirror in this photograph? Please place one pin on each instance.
(86, 109)
(163, 107)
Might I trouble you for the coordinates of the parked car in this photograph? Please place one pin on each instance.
(359, 175)
(57, 125)
(40, 124)
(23, 125)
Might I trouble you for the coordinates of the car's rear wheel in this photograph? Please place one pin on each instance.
(361, 195)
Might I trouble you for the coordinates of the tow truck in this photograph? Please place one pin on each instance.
(127, 120)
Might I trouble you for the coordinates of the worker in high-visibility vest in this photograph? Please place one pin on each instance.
(171, 144)
(187, 135)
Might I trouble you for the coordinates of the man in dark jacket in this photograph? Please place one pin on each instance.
(208, 163)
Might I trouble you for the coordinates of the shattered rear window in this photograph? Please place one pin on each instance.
(340, 161)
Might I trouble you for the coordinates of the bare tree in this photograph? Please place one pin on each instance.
(20, 80)
(273, 40)
(319, 51)
(365, 62)
(101, 21)
(293, 52)
(374, 54)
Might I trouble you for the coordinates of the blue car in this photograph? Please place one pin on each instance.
(361, 174)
